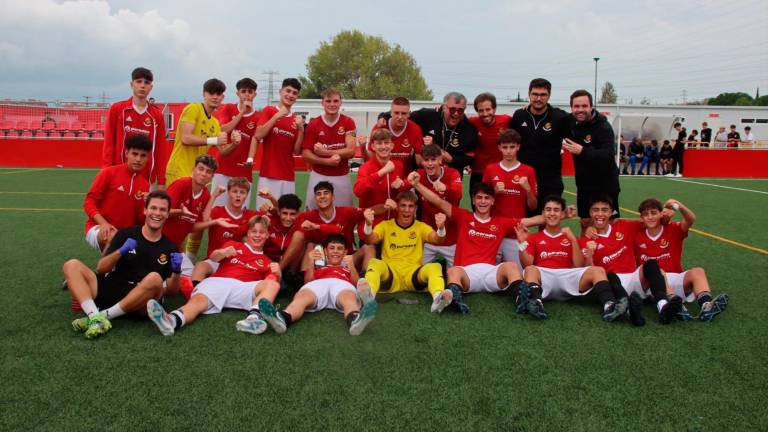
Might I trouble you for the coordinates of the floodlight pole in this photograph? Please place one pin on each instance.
(596, 59)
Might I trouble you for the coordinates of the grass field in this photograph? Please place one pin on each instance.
(411, 370)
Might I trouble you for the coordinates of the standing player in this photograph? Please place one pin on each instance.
(197, 130)
(515, 187)
(446, 183)
(380, 178)
(330, 286)
(612, 247)
(664, 243)
(116, 196)
(591, 142)
(406, 135)
(136, 116)
(239, 121)
(329, 142)
(489, 125)
(402, 241)
(480, 235)
(554, 268)
(245, 275)
(282, 133)
(542, 128)
(134, 266)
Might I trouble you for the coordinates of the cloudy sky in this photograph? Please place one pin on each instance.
(661, 50)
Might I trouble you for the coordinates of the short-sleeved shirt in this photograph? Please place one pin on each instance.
(452, 193)
(479, 240)
(180, 191)
(550, 251)
(182, 159)
(487, 151)
(246, 265)
(333, 272)
(345, 218)
(616, 248)
(233, 164)
(146, 257)
(334, 136)
(512, 201)
(666, 247)
(218, 235)
(277, 159)
(407, 143)
(402, 247)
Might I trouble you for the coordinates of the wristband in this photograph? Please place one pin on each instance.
(212, 141)
(441, 232)
(367, 229)
(522, 246)
(249, 161)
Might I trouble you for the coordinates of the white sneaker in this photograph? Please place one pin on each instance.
(252, 324)
(365, 316)
(364, 293)
(160, 317)
(441, 300)
(678, 175)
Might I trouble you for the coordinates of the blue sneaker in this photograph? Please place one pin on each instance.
(535, 308)
(713, 308)
(458, 300)
(272, 316)
(684, 315)
(160, 317)
(366, 315)
(253, 324)
(521, 302)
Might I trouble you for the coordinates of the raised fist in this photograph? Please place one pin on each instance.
(440, 220)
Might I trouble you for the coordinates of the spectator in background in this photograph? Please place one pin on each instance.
(48, 119)
(637, 152)
(706, 135)
(623, 161)
(733, 137)
(678, 150)
(749, 138)
(665, 158)
(692, 138)
(721, 137)
(652, 153)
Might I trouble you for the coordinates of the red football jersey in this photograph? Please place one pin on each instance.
(247, 265)
(479, 241)
(233, 164)
(333, 272)
(334, 136)
(550, 251)
(487, 151)
(510, 202)
(279, 238)
(117, 193)
(406, 144)
(453, 190)
(371, 189)
(616, 248)
(343, 221)
(277, 159)
(218, 235)
(666, 247)
(176, 228)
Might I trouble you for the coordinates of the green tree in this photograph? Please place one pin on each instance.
(728, 99)
(762, 100)
(363, 67)
(608, 94)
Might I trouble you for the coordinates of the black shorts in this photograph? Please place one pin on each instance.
(110, 290)
(582, 202)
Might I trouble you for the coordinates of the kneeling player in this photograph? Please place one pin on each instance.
(131, 271)
(245, 275)
(554, 267)
(664, 243)
(400, 267)
(332, 286)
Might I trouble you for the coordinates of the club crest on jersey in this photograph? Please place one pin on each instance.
(212, 130)
(260, 262)
(547, 126)
(393, 234)
(341, 130)
(250, 125)
(516, 178)
(406, 143)
(565, 242)
(412, 235)
(139, 195)
(619, 235)
(588, 139)
(493, 228)
(664, 243)
(227, 234)
(147, 122)
(455, 142)
(162, 259)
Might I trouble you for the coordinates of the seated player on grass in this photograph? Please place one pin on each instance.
(402, 242)
(331, 285)
(115, 199)
(480, 236)
(236, 216)
(132, 270)
(610, 244)
(554, 267)
(664, 243)
(245, 276)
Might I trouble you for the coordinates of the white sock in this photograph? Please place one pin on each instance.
(115, 311)
(660, 304)
(89, 307)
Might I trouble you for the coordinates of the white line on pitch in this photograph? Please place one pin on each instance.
(720, 186)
